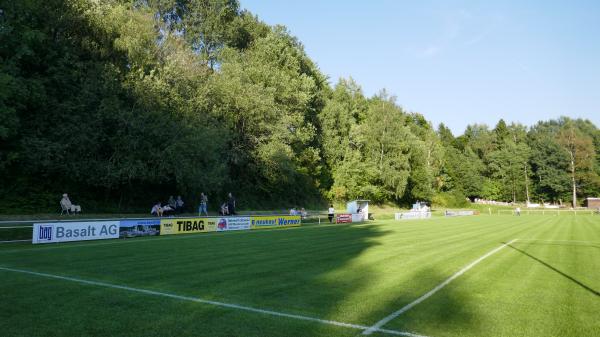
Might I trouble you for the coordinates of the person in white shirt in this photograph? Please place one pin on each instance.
(330, 213)
(65, 203)
(157, 210)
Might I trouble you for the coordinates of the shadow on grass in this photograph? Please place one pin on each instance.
(323, 273)
(279, 270)
(443, 311)
(565, 275)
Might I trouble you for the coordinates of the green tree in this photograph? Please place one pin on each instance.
(581, 154)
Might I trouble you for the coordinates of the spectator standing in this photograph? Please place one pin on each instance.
(203, 204)
(330, 213)
(171, 202)
(231, 204)
(518, 211)
(179, 204)
(65, 203)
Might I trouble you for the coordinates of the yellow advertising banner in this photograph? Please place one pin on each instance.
(187, 225)
(260, 221)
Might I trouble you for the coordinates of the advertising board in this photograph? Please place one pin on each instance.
(358, 217)
(170, 226)
(271, 221)
(459, 213)
(74, 231)
(412, 215)
(233, 223)
(135, 228)
(343, 218)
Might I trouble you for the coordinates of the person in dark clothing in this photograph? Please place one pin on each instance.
(231, 204)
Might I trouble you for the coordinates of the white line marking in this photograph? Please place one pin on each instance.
(377, 326)
(215, 303)
(566, 241)
(15, 227)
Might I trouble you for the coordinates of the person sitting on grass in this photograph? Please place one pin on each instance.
(66, 204)
(224, 209)
(157, 210)
(168, 210)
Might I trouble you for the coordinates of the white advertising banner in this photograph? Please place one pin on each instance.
(74, 231)
(233, 223)
(413, 215)
(358, 217)
(459, 213)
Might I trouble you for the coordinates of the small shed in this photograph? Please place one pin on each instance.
(359, 209)
(592, 202)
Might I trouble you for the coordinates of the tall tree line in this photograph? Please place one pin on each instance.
(122, 103)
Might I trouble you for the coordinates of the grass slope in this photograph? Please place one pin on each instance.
(349, 273)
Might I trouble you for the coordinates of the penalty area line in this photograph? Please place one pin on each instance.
(214, 303)
(377, 326)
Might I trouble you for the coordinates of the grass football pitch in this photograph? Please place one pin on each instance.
(462, 276)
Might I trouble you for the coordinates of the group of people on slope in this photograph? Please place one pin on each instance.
(176, 206)
(173, 206)
(228, 207)
(302, 212)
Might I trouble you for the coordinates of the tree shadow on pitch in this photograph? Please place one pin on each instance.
(561, 273)
(445, 310)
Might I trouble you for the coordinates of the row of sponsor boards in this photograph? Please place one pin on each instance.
(196, 225)
(98, 230)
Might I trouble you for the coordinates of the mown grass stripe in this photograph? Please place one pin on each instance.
(210, 302)
(375, 327)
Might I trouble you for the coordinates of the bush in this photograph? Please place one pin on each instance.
(449, 199)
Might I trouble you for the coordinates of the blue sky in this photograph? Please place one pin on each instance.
(457, 62)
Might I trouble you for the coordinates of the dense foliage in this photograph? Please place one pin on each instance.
(122, 103)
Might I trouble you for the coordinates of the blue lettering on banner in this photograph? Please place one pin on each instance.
(263, 222)
(284, 222)
(45, 233)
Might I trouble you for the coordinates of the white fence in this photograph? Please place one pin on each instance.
(412, 215)
(550, 211)
(450, 212)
